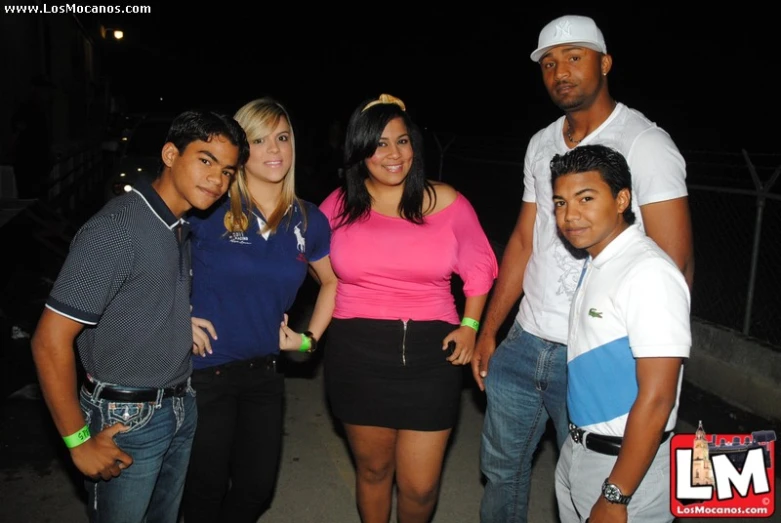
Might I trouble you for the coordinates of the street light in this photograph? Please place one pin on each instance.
(118, 34)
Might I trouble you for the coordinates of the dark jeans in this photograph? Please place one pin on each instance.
(235, 454)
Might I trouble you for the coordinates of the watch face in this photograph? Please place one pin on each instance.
(612, 493)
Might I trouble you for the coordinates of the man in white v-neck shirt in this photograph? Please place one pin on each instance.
(525, 377)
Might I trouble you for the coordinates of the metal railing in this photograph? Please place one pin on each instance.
(735, 203)
(77, 176)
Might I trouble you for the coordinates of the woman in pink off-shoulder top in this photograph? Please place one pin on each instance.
(391, 377)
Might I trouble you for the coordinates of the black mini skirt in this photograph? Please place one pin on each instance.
(391, 373)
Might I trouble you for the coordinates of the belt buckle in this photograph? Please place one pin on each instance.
(179, 389)
(576, 434)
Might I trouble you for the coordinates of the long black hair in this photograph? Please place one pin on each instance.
(364, 131)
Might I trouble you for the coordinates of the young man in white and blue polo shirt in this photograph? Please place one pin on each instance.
(629, 334)
(122, 298)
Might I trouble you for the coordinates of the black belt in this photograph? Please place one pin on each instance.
(610, 445)
(267, 362)
(133, 394)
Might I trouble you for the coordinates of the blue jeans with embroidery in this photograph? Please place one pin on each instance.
(159, 441)
(526, 385)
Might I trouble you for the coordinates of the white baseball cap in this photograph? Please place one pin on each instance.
(569, 29)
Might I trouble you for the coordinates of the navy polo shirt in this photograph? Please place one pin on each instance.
(245, 282)
(127, 279)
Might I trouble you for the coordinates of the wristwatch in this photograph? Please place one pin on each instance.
(613, 494)
(313, 346)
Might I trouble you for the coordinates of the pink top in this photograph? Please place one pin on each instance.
(391, 269)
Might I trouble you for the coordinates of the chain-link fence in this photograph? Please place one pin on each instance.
(735, 201)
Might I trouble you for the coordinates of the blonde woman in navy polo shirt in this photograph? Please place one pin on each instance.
(250, 256)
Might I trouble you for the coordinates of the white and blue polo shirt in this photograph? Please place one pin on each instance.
(244, 282)
(632, 302)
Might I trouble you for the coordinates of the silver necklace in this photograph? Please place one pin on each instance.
(569, 135)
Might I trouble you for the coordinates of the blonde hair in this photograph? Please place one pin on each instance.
(258, 118)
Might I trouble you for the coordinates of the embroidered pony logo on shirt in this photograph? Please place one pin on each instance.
(300, 241)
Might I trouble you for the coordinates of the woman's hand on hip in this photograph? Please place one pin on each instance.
(202, 329)
(464, 339)
(288, 338)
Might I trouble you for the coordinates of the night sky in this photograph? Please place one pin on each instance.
(707, 78)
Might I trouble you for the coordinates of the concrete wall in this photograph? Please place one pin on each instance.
(741, 371)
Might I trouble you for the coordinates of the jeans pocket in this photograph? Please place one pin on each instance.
(86, 401)
(510, 342)
(514, 334)
(132, 415)
(190, 389)
(86, 409)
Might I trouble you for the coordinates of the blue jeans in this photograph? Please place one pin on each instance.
(526, 385)
(159, 441)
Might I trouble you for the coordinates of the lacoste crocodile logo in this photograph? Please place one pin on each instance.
(594, 313)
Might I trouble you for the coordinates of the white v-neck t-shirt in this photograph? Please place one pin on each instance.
(658, 174)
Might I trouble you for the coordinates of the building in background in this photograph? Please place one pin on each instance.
(702, 471)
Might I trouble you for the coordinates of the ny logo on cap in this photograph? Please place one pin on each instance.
(563, 29)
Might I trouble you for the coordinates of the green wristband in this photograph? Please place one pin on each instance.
(77, 438)
(306, 343)
(469, 322)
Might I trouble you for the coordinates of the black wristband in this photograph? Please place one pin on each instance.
(313, 347)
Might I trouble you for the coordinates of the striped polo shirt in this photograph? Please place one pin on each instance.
(127, 279)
